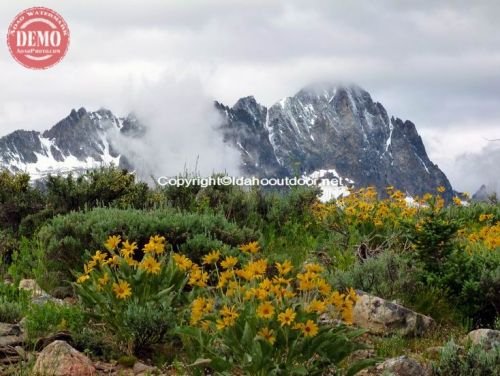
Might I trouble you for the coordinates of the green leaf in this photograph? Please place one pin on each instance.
(360, 365)
(248, 336)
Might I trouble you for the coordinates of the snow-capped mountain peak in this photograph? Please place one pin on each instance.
(79, 142)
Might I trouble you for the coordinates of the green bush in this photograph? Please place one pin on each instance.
(106, 186)
(25, 261)
(49, 318)
(10, 293)
(472, 282)
(393, 276)
(388, 275)
(17, 199)
(432, 239)
(10, 312)
(66, 238)
(148, 324)
(31, 223)
(473, 360)
(469, 280)
(8, 246)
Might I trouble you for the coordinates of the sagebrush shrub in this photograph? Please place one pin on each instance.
(66, 238)
(473, 360)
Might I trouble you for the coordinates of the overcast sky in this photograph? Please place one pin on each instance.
(436, 63)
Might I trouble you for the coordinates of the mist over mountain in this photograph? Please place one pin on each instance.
(338, 128)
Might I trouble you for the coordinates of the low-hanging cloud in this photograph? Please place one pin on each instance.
(182, 132)
(476, 169)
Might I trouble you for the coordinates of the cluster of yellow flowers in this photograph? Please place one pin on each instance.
(363, 206)
(271, 291)
(118, 252)
(488, 235)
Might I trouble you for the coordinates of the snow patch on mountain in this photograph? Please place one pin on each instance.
(332, 185)
(47, 164)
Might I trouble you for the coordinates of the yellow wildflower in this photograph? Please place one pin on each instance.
(211, 258)
(233, 288)
(229, 316)
(205, 325)
(245, 274)
(199, 308)
(266, 284)
(265, 310)
(313, 268)
(128, 249)
(288, 294)
(317, 306)
(149, 247)
(131, 262)
(352, 294)
(89, 267)
(182, 262)
(231, 312)
(323, 287)
(261, 294)
(307, 281)
(485, 217)
(229, 262)
(82, 278)
(287, 317)
(252, 247)
(284, 268)
(122, 289)
(427, 197)
(198, 278)
(156, 245)
(99, 257)
(150, 265)
(282, 281)
(103, 281)
(337, 299)
(310, 329)
(112, 242)
(268, 335)
(257, 268)
(157, 239)
(224, 278)
(220, 324)
(113, 261)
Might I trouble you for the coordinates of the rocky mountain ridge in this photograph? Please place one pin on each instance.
(321, 128)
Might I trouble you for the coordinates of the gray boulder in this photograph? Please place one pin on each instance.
(380, 316)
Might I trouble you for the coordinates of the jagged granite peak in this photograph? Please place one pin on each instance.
(332, 126)
(20, 144)
(78, 142)
(244, 128)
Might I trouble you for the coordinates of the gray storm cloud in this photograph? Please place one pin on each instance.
(475, 169)
(181, 132)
